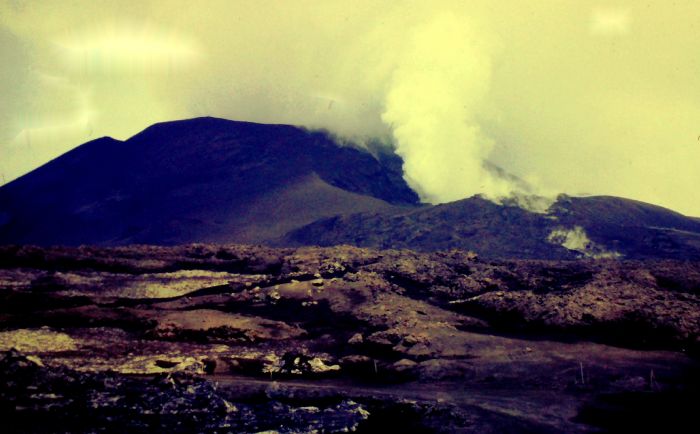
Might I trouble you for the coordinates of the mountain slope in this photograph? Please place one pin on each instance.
(573, 228)
(196, 180)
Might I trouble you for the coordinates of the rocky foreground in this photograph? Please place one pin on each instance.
(206, 338)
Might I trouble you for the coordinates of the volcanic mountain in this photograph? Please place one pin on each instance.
(221, 181)
(202, 179)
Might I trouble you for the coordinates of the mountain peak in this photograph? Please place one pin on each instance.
(185, 180)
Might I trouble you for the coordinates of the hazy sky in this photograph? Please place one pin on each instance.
(583, 97)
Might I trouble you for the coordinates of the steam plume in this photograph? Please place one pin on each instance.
(434, 98)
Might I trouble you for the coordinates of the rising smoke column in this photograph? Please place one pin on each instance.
(434, 96)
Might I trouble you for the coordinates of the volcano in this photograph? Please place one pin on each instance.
(202, 179)
(219, 181)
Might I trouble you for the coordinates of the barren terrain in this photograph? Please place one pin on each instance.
(231, 338)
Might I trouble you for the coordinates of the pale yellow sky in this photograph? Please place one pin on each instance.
(595, 97)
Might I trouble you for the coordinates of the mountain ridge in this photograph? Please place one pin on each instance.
(509, 231)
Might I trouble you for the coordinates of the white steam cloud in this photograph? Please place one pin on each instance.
(435, 96)
(577, 240)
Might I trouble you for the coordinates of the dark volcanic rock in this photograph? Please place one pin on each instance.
(37, 399)
(135, 339)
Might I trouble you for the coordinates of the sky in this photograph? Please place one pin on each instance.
(580, 97)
